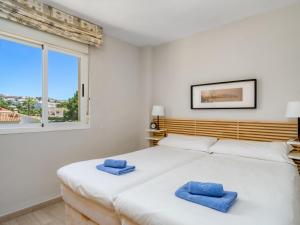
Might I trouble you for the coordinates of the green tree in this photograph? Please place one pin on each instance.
(3, 103)
(71, 113)
(29, 106)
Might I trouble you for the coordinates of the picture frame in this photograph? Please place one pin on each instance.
(237, 94)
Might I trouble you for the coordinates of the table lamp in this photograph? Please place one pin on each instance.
(293, 111)
(158, 111)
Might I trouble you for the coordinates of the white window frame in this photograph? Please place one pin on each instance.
(83, 82)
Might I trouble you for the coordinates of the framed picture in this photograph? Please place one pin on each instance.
(239, 94)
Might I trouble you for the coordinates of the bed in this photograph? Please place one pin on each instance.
(141, 199)
(92, 192)
(268, 194)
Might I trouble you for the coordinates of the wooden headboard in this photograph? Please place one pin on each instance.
(242, 130)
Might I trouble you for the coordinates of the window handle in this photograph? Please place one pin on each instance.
(82, 89)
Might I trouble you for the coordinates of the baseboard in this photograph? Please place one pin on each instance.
(29, 209)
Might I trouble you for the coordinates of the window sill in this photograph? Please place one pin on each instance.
(49, 128)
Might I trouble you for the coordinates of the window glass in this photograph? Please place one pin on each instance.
(20, 83)
(63, 78)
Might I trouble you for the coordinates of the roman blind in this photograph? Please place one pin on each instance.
(40, 16)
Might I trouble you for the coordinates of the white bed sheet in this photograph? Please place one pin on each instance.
(83, 178)
(268, 194)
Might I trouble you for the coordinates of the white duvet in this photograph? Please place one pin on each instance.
(84, 179)
(268, 194)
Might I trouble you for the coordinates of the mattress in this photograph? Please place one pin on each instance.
(268, 194)
(84, 179)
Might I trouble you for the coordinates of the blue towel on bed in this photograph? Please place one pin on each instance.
(208, 189)
(115, 171)
(221, 204)
(115, 163)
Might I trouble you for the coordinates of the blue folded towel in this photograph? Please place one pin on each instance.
(221, 204)
(208, 189)
(115, 163)
(115, 171)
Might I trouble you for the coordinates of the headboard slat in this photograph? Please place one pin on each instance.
(244, 130)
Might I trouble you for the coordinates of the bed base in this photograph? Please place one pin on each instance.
(74, 217)
(83, 211)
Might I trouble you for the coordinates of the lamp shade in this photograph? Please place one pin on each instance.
(293, 110)
(158, 110)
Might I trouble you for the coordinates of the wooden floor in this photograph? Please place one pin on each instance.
(51, 215)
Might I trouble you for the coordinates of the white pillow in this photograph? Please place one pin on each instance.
(273, 151)
(198, 143)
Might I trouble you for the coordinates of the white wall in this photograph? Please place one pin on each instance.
(265, 47)
(28, 162)
(145, 92)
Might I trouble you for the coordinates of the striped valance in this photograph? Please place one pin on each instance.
(38, 15)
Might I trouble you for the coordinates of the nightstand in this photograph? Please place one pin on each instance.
(295, 155)
(156, 135)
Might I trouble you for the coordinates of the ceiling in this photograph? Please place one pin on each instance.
(153, 22)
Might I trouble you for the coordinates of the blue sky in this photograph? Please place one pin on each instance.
(21, 71)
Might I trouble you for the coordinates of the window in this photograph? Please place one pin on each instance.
(62, 98)
(42, 87)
